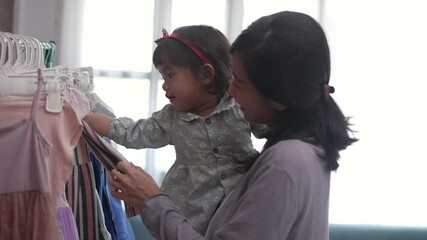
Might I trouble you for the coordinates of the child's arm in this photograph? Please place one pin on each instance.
(98, 122)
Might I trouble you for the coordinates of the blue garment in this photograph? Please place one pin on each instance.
(101, 185)
(120, 221)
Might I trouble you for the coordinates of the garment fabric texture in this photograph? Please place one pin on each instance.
(83, 197)
(101, 185)
(212, 153)
(104, 158)
(122, 224)
(64, 161)
(285, 195)
(61, 131)
(67, 223)
(26, 200)
(101, 216)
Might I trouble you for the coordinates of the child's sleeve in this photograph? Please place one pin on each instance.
(153, 132)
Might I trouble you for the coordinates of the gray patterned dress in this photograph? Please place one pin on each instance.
(212, 153)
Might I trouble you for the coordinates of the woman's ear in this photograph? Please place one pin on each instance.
(208, 73)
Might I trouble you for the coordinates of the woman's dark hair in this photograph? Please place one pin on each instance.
(211, 41)
(286, 56)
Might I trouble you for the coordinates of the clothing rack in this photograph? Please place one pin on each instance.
(21, 59)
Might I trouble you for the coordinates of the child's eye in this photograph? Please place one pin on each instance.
(168, 76)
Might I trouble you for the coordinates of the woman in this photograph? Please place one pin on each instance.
(281, 67)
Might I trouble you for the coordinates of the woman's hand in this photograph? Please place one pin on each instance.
(132, 184)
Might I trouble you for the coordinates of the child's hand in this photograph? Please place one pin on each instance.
(98, 122)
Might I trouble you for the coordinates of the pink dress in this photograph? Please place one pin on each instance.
(37, 158)
(25, 188)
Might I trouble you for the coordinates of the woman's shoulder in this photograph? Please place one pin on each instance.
(293, 153)
(291, 146)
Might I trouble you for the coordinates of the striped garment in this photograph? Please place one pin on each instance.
(83, 198)
(107, 155)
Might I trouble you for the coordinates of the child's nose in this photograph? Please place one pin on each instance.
(165, 86)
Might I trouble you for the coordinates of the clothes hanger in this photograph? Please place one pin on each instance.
(19, 50)
(82, 77)
(10, 55)
(47, 54)
(2, 59)
(24, 50)
(41, 54)
(57, 88)
(21, 66)
(3, 50)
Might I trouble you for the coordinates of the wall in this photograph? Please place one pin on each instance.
(51, 20)
(6, 15)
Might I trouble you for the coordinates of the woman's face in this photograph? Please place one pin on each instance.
(256, 108)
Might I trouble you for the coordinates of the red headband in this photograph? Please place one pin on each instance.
(193, 47)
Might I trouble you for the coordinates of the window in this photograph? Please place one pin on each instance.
(378, 70)
(118, 36)
(117, 43)
(194, 12)
(253, 9)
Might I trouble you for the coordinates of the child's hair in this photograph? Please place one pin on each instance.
(286, 56)
(213, 44)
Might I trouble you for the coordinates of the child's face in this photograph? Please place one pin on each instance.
(183, 88)
(256, 108)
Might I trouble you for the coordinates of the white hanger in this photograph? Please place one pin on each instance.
(17, 58)
(82, 77)
(21, 60)
(3, 50)
(7, 48)
(24, 54)
(57, 88)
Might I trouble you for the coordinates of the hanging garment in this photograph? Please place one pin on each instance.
(115, 219)
(107, 155)
(121, 224)
(100, 217)
(64, 163)
(83, 197)
(18, 70)
(26, 199)
(62, 130)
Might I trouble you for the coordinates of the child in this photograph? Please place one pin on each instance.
(212, 140)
